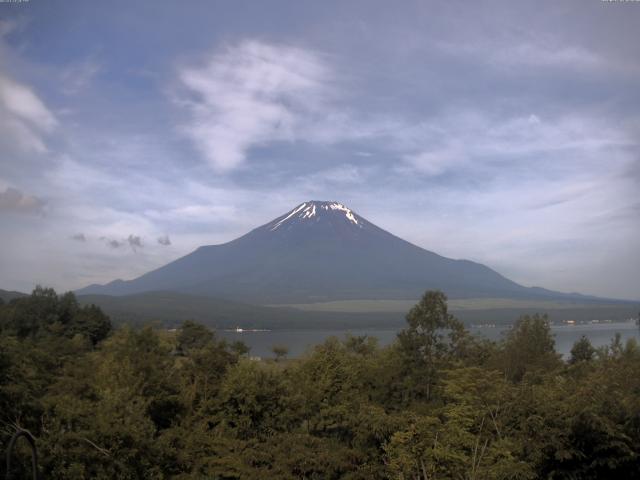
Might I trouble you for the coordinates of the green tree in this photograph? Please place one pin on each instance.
(616, 347)
(529, 347)
(280, 351)
(201, 373)
(254, 400)
(329, 387)
(582, 351)
(431, 337)
(104, 414)
(193, 336)
(44, 313)
(91, 322)
(451, 445)
(361, 345)
(30, 316)
(240, 348)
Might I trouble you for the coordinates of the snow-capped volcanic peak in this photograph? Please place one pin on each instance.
(314, 210)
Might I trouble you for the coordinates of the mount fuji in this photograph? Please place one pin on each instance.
(322, 251)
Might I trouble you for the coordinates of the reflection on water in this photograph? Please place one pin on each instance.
(299, 341)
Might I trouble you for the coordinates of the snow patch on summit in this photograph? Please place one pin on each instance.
(309, 210)
(293, 212)
(348, 213)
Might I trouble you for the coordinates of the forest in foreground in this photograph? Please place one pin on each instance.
(439, 403)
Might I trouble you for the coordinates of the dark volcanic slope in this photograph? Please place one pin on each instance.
(320, 251)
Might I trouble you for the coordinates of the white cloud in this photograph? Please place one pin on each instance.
(436, 162)
(20, 101)
(255, 93)
(24, 118)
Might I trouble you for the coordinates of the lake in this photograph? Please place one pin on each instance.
(299, 341)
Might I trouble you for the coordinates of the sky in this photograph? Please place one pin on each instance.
(506, 133)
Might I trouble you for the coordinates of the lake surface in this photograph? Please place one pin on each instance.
(300, 341)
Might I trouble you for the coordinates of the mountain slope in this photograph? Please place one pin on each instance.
(7, 295)
(316, 252)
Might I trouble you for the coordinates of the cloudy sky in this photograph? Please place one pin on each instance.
(502, 132)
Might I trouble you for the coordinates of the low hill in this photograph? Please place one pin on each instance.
(7, 295)
(170, 309)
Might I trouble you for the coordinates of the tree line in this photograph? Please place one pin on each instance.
(438, 403)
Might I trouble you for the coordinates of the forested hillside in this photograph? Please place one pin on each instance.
(126, 403)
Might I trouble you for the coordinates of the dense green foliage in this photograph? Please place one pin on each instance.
(437, 404)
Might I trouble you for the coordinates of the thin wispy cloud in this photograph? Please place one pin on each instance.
(79, 76)
(474, 139)
(514, 52)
